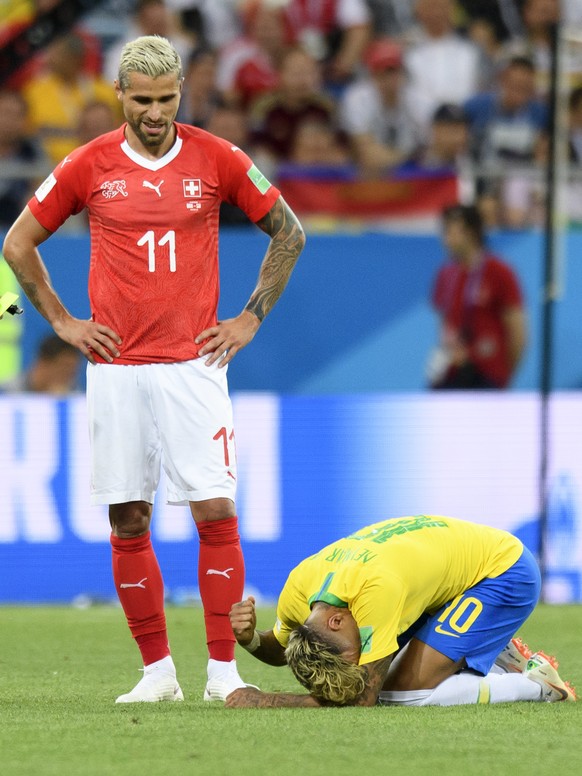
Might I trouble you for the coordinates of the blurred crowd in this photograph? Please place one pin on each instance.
(371, 86)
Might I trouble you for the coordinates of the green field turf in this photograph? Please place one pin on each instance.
(61, 669)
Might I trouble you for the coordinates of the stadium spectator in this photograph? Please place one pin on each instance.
(274, 117)
(15, 18)
(507, 121)
(199, 94)
(153, 289)
(19, 152)
(316, 145)
(449, 139)
(484, 35)
(213, 24)
(150, 17)
(230, 123)
(503, 15)
(248, 66)
(535, 43)
(96, 119)
(55, 370)
(478, 298)
(413, 611)
(522, 201)
(375, 113)
(56, 97)
(335, 32)
(391, 18)
(442, 66)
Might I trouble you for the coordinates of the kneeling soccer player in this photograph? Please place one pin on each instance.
(412, 611)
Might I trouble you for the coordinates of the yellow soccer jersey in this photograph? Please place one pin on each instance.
(390, 573)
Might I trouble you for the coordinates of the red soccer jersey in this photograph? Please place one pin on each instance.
(472, 304)
(154, 275)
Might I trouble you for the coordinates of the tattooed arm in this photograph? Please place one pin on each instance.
(247, 698)
(287, 241)
(21, 252)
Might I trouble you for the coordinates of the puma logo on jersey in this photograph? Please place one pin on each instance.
(220, 573)
(153, 187)
(111, 189)
(125, 585)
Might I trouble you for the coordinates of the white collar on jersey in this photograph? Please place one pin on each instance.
(152, 164)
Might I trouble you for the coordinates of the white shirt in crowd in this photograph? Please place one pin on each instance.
(441, 70)
(363, 113)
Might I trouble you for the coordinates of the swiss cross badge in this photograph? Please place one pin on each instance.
(192, 187)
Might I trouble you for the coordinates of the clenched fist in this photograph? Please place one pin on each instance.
(243, 620)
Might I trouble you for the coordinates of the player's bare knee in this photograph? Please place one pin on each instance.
(212, 509)
(131, 519)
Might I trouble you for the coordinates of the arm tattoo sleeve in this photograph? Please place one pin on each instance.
(376, 676)
(286, 700)
(287, 241)
(30, 288)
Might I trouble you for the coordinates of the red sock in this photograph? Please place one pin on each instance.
(153, 646)
(140, 588)
(221, 576)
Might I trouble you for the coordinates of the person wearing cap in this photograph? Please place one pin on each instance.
(375, 114)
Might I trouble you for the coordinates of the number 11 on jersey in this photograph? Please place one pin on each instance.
(149, 239)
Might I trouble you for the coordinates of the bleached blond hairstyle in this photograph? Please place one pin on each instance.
(150, 55)
(318, 665)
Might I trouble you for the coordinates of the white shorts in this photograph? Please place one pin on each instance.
(142, 417)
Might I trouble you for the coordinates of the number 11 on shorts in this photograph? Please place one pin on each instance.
(222, 434)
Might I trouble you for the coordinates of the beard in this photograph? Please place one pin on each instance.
(151, 140)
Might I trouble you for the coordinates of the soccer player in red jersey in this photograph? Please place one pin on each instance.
(478, 298)
(156, 382)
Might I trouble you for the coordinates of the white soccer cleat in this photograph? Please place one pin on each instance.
(513, 658)
(223, 678)
(543, 670)
(157, 684)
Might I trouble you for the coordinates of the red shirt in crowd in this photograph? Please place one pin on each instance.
(472, 303)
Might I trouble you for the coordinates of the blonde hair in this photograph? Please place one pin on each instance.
(318, 665)
(150, 55)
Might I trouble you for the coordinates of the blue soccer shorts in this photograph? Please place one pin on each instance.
(477, 624)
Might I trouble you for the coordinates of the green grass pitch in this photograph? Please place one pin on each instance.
(61, 669)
